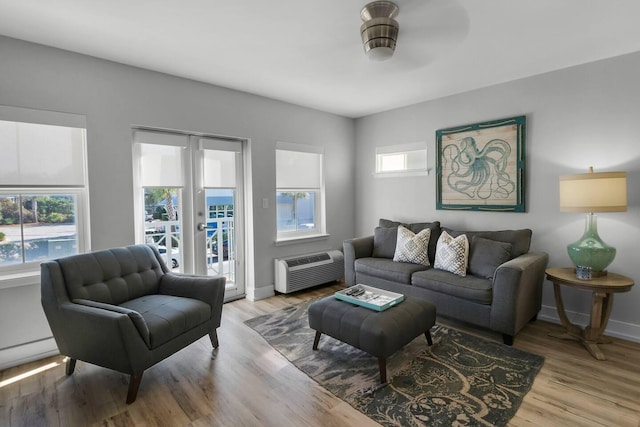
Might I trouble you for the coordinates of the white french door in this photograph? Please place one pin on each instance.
(218, 207)
(190, 203)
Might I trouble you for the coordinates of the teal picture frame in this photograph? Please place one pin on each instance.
(482, 166)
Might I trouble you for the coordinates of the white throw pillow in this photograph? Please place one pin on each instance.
(411, 247)
(452, 254)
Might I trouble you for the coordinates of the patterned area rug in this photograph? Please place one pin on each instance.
(461, 380)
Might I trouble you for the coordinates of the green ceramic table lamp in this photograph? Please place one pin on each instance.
(593, 192)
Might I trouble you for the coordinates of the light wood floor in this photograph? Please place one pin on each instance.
(247, 383)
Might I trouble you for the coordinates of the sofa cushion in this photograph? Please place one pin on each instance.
(452, 254)
(384, 242)
(416, 228)
(520, 239)
(168, 317)
(469, 287)
(388, 269)
(486, 255)
(412, 247)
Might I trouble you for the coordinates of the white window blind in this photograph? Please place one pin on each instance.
(161, 158)
(219, 165)
(298, 169)
(41, 155)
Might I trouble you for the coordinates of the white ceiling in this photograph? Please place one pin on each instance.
(309, 52)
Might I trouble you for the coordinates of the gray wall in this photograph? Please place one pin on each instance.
(113, 97)
(577, 117)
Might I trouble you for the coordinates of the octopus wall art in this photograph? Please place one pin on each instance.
(481, 166)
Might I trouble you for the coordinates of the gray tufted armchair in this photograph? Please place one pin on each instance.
(122, 309)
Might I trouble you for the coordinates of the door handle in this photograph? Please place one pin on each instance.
(202, 226)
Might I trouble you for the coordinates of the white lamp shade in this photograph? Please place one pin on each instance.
(594, 192)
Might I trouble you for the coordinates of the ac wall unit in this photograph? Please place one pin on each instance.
(304, 271)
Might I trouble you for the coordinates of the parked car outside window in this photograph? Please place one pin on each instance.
(175, 256)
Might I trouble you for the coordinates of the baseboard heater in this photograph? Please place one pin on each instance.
(304, 271)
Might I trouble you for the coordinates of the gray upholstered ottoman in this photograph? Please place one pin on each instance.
(378, 333)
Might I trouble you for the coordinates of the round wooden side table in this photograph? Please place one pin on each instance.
(603, 288)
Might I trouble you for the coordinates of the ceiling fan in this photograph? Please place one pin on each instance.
(430, 29)
(379, 30)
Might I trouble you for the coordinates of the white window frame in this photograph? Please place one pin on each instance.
(14, 274)
(319, 232)
(405, 150)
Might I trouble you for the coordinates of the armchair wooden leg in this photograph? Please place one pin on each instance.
(134, 384)
(71, 366)
(428, 336)
(213, 336)
(316, 340)
(507, 339)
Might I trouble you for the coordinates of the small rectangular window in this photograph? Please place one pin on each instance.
(402, 160)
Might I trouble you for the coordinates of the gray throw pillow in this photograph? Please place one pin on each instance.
(387, 223)
(485, 256)
(519, 239)
(384, 242)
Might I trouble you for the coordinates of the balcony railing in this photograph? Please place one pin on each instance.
(220, 245)
(221, 248)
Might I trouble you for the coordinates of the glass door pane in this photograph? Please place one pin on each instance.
(220, 241)
(218, 207)
(162, 224)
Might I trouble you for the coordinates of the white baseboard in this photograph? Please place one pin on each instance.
(625, 331)
(262, 292)
(20, 354)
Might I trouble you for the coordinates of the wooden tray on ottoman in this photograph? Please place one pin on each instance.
(372, 298)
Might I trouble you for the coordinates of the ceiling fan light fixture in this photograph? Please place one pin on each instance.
(379, 30)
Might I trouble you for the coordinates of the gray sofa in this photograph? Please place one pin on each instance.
(502, 290)
(122, 309)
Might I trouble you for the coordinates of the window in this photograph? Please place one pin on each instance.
(299, 191)
(43, 188)
(402, 160)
